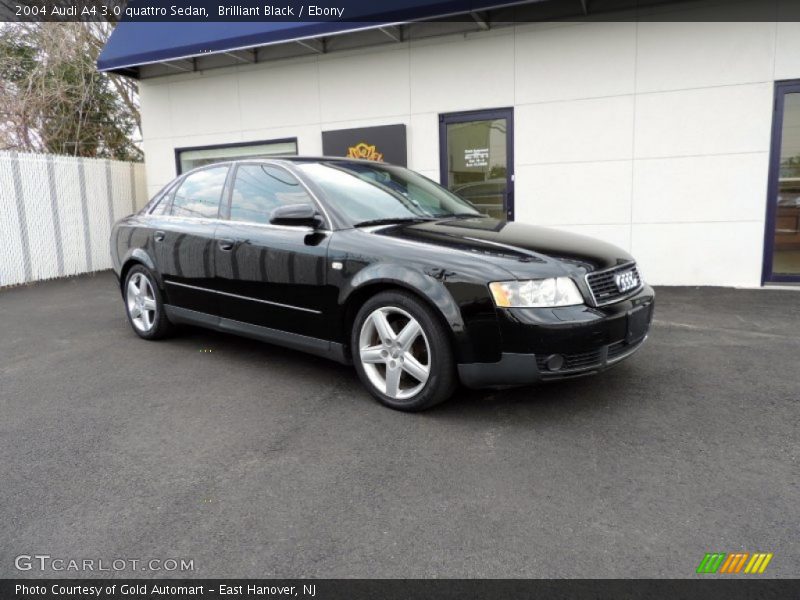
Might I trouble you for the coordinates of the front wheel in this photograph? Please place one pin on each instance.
(402, 352)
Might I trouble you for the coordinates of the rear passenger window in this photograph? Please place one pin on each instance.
(160, 207)
(258, 189)
(200, 193)
(160, 204)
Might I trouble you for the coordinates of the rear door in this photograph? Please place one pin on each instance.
(184, 240)
(271, 275)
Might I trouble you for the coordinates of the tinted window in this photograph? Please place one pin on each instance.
(258, 189)
(160, 205)
(199, 194)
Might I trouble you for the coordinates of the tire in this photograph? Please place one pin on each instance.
(145, 314)
(403, 368)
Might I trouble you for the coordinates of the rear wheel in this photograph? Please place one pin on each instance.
(402, 353)
(144, 305)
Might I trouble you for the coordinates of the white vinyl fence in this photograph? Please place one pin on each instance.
(56, 213)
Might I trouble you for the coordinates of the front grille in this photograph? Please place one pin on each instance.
(603, 284)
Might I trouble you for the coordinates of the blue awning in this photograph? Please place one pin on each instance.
(138, 42)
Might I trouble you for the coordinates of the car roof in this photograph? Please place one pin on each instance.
(294, 158)
(301, 158)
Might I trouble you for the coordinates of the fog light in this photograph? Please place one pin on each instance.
(554, 362)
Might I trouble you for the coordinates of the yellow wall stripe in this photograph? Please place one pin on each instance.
(764, 564)
(752, 567)
(754, 562)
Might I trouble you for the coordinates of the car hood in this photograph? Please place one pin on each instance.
(523, 250)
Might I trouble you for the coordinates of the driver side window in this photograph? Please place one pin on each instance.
(258, 189)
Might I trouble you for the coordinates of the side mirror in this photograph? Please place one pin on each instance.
(294, 214)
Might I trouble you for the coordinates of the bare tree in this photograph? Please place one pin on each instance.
(53, 99)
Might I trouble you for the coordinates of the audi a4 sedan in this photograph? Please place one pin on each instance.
(374, 265)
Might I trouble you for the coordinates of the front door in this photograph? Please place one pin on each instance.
(782, 245)
(270, 275)
(477, 159)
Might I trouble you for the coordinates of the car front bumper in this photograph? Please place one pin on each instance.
(559, 343)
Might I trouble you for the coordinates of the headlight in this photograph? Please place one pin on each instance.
(536, 293)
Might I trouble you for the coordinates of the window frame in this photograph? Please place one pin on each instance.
(489, 114)
(768, 276)
(178, 151)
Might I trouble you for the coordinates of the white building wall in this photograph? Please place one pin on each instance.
(651, 135)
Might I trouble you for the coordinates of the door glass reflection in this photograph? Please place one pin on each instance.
(786, 255)
(477, 165)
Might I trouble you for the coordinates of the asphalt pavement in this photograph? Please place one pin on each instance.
(255, 461)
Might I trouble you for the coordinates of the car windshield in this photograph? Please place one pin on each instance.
(373, 193)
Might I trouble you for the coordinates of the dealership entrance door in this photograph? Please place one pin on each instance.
(477, 158)
(782, 246)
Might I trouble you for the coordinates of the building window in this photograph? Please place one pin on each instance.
(187, 159)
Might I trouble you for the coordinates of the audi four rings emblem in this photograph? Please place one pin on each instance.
(626, 281)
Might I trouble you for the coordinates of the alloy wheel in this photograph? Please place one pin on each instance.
(141, 301)
(395, 352)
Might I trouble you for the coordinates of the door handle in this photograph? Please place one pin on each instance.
(158, 236)
(226, 245)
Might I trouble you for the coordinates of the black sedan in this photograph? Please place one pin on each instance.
(375, 265)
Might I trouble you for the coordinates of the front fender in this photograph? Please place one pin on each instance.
(471, 339)
(433, 290)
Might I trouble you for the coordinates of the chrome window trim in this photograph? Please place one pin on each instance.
(620, 298)
(303, 228)
(193, 219)
(202, 289)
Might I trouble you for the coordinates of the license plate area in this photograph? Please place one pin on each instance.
(638, 322)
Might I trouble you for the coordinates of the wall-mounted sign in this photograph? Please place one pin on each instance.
(385, 143)
(364, 150)
(476, 157)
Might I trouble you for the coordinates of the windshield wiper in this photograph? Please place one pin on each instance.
(391, 220)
